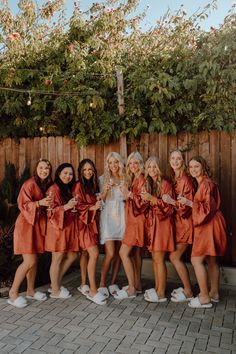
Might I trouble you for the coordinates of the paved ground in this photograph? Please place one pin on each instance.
(130, 326)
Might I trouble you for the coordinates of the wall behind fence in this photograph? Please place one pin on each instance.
(218, 148)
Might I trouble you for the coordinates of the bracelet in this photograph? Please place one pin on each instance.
(37, 204)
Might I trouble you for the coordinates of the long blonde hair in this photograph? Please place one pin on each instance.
(153, 187)
(107, 171)
(136, 156)
(171, 172)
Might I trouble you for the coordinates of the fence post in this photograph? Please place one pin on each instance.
(121, 109)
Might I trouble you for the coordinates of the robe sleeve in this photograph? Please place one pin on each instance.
(26, 204)
(161, 209)
(139, 206)
(205, 204)
(57, 214)
(85, 215)
(188, 192)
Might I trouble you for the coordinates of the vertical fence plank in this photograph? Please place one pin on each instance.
(59, 151)
(214, 144)
(74, 155)
(163, 152)
(52, 150)
(225, 184)
(193, 144)
(36, 149)
(99, 159)
(233, 195)
(8, 149)
(22, 156)
(204, 149)
(153, 146)
(123, 147)
(66, 150)
(144, 143)
(44, 147)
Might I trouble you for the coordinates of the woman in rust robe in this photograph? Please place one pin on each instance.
(209, 233)
(133, 239)
(30, 230)
(62, 239)
(87, 205)
(159, 223)
(183, 224)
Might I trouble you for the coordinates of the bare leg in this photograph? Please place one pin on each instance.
(29, 262)
(83, 267)
(137, 259)
(92, 262)
(128, 267)
(161, 272)
(116, 263)
(31, 276)
(201, 275)
(214, 274)
(180, 266)
(67, 261)
(109, 256)
(55, 271)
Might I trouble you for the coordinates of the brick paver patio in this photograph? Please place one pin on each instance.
(130, 326)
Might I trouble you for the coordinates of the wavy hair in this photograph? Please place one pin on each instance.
(153, 187)
(107, 171)
(89, 186)
(65, 189)
(136, 156)
(45, 184)
(205, 167)
(171, 172)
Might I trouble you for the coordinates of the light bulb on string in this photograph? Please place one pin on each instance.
(29, 101)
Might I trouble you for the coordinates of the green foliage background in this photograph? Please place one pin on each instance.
(177, 77)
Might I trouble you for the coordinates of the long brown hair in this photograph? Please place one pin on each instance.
(153, 187)
(43, 185)
(205, 167)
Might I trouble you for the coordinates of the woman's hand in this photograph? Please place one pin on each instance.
(184, 201)
(96, 206)
(45, 202)
(168, 199)
(70, 205)
(146, 197)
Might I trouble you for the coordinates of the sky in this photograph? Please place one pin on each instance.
(158, 8)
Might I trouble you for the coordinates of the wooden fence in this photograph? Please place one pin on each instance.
(218, 148)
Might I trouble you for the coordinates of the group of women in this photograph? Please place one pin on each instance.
(126, 210)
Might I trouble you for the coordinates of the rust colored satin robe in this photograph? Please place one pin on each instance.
(183, 223)
(159, 222)
(209, 224)
(86, 219)
(62, 234)
(134, 215)
(30, 227)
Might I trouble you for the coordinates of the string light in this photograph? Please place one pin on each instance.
(29, 101)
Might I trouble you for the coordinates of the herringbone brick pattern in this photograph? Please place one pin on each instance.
(134, 326)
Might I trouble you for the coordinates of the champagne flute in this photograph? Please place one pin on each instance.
(98, 195)
(50, 197)
(75, 199)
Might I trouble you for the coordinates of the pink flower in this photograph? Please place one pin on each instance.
(14, 36)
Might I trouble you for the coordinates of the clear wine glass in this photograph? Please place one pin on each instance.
(51, 198)
(75, 199)
(98, 195)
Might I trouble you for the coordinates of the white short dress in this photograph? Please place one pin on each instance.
(112, 216)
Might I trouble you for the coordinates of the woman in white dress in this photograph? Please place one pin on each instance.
(112, 218)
